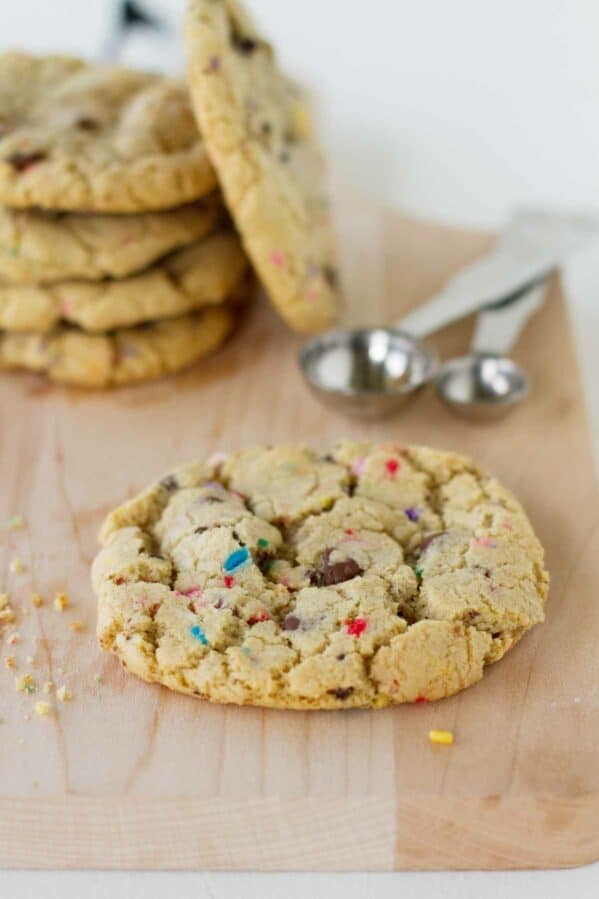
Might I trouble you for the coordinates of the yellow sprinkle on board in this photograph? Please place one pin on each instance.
(76, 625)
(444, 737)
(36, 600)
(16, 566)
(10, 662)
(61, 602)
(64, 694)
(42, 708)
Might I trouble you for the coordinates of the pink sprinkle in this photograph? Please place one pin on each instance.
(359, 466)
(508, 525)
(484, 541)
(277, 258)
(312, 293)
(65, 307)
(191, 591)
(285, 581)
(142, 600)
(199, 604)
(229, 580)
(392, 466)
(356, 626)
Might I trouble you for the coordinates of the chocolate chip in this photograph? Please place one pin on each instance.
(23, 161)
(169, 483)
(265, 127)
(330, 274)
(245, 45)
(338, 571)
(87, 124)
(200, 530)
(340, 657)
(213, 499)
(328, 457)
(342, 692)
(291, 623)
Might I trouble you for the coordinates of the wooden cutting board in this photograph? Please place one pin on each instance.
(131, 776)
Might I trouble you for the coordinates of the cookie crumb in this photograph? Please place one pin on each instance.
(7, 613)
(443, 737)
(15, 522)
(25, 683)
(61, 602)
(13, 639)
(10, 663)
(48, 686)
(64, 694)
(36, 600)
(76, 625)
(43, 709)
(17, 566)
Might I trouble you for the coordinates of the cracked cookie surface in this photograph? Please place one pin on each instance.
(202, 274)
(79, 136)
(258, 134)
(282, 577)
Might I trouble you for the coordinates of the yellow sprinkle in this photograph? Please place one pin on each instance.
(42, 709)
(16, 566)
(48, 686)
(10, 662)
(15, 522)
(64, 694)
(76, 625)
(36, 600)
(441, 736)
(61, 602)
(7, 615)
(3, 600)
(25, 684)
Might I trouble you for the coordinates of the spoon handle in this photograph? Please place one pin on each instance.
(528, 250)
(498, 329)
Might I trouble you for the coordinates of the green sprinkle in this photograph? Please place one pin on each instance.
(262, 542)
(246, 650)
(15, 522)
(418, 572)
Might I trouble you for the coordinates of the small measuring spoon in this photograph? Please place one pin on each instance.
(486, 384)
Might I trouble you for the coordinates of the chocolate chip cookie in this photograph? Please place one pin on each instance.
(284, 577)
(259, 137)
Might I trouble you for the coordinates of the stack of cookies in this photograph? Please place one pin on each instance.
(117, 261)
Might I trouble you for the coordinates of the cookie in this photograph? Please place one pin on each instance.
(85, 137)
(259, 138)
(202, 274)
(70, 356)
(283, 577)
(39, 247)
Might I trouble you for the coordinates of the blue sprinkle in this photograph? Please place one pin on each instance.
(237, 559)
(197, 632)
(413, 514)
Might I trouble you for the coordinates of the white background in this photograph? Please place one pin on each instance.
(454, 109)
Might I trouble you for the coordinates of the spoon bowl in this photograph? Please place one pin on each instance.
(483, 386)
(369, 372)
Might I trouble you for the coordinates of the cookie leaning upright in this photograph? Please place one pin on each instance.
(258, 136)
(77, 136)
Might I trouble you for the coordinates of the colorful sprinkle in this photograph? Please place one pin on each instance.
(262, 543)
(356, 626)
(421, 699)
(508, 525)
(444, 737)
(392, 467)
(61, 602)
(229, 581)
(255, 619)
(191, 592)
(15, 522)
(214, 64)
(237, 559)
(418, 572)
(246, 650)
(358, 467)
(484, 541)
(277, 258)
(412, 513)
(43, 709)
(197, 632)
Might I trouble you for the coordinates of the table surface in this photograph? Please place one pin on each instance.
(431, 188)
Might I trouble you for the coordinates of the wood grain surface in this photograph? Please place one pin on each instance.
(129, 775)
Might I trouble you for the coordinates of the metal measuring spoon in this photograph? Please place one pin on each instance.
(486, 384)
(373, 372)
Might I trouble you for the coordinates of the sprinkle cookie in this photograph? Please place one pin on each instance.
(200, 275)
(71, 356)
(259, 138)
(44, 247)
(96, 138)
(282, 577)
